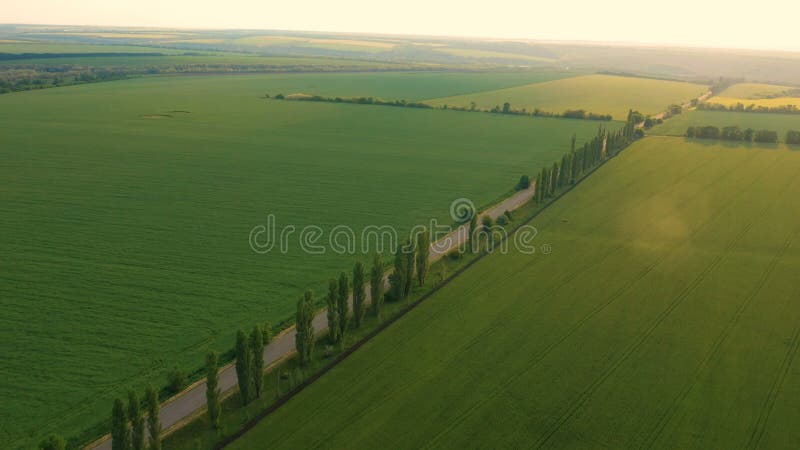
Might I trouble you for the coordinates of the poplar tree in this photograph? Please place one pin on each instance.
(53, 442)
(423, 253)
(473, 228)
(342, 304)
(243, 363)
(359, 276)
(257, 355)
(376, 285)
(537, 193)
(137, 421)
(396, 281)
(556, 175)
(304, 337)
(212, 389)
(333, 311)
(410, 255)
(120, 428)
(153, 418)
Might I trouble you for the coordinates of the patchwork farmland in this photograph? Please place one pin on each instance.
(136, 217)
(657, 309)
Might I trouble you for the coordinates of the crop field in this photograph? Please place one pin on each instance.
(766, 102)
(753, 91)
(664, 317)
(330, 44)
(600, 94)
(485, 54)
(65, 47)
(758, 94)
(130, 60)
(403, 85)
(127, 208)
(677, 125)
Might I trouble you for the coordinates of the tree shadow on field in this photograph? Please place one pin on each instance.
(736, 144)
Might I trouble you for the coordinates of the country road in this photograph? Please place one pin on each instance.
(176, 410)
(686, 105)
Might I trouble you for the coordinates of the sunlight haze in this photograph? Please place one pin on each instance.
(682, 22)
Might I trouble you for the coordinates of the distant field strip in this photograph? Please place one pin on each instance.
(600, 94)
(677, 125)
(664, 318)
(768, 95)
(484, 54)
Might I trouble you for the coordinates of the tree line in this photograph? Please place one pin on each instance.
(735, 133)
(504, 109)
(753, 108)
(134, 427)
(34, 75)
(579, 161)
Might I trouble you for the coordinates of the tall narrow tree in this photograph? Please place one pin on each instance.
(423, 253)
(243, 362)
(333, 310)
(473, 229)
(212, 389)
(537, 193)
(359, 308)
(53, 442)
(304, 337)
(120, 427)
(396, 279)
(257, 366)
(376, 285)
(137, 421)
(410, 253)
(554, 181)
(153, 417)
(343, 304)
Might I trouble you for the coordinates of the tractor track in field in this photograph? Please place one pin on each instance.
(467, 413)
(772, 396)
(721, 339)
(592, 388)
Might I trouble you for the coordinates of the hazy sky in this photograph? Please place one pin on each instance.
(759, 24)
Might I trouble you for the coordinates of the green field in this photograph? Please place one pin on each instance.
(485, 54)
(127, 208)
(665, 317)
(65, 47)
(600, 94)
(768, 95)
(677, 125)
(754, 91)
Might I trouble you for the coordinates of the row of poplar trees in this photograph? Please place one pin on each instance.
(575, 164)
(131, 429)
(411, 266)
(250, 348)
